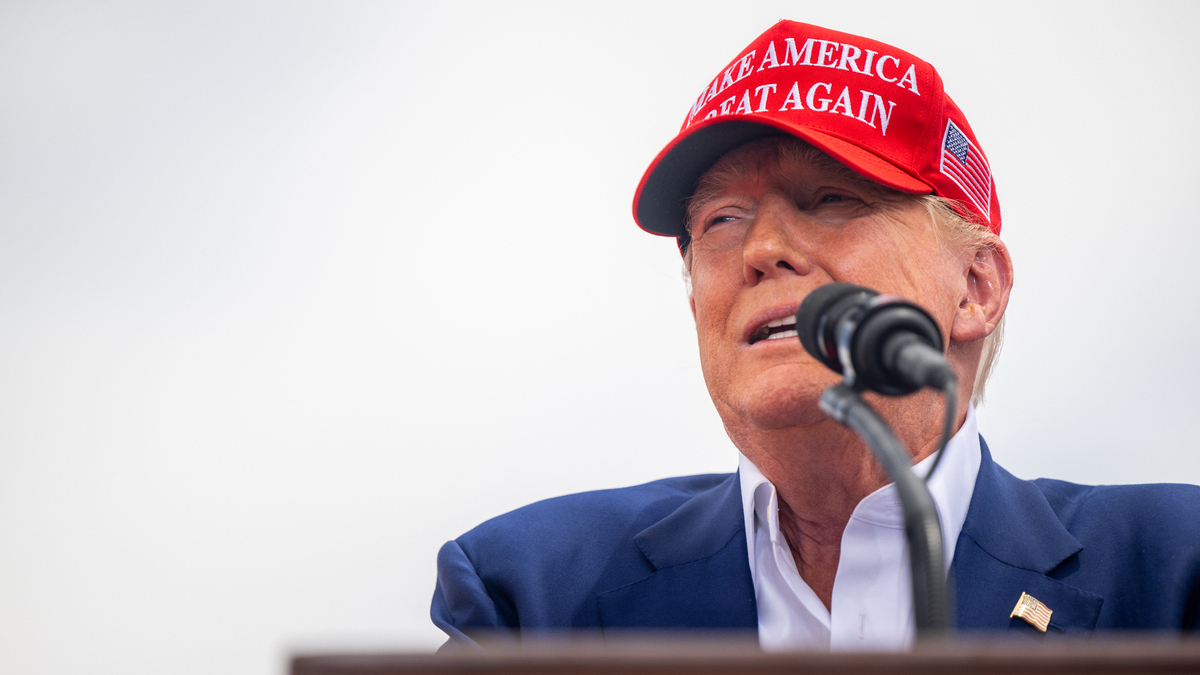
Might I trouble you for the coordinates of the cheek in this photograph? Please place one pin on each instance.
(712, 300)
(710, 292)
(708, 315)
(933, 282)
(885, 257)
(868, 263)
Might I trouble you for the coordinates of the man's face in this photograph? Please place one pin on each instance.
(772, 221)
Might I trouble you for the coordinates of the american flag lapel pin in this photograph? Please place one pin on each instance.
(1033, 611)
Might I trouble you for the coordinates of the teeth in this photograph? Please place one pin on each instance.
(784, 327)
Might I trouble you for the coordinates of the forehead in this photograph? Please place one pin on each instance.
(785, 159)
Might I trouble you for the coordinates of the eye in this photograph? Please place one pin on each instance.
(836, 196)
(719, 219)
(721, 213)
(834, 204)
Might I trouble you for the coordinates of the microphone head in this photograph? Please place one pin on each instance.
(866, 322)
(883, 319)
(818, 317)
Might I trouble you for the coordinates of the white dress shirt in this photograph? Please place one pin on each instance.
(871, 607)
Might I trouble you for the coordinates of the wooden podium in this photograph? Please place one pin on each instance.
(1118, 654)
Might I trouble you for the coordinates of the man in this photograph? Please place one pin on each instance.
(817, 157)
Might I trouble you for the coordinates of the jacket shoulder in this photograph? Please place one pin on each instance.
(1106, 557)
(1160, 509)
(1140, 550)
(596, 515)
(543, 565)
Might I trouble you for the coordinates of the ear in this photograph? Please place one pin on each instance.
(692, 304)
(989, 279)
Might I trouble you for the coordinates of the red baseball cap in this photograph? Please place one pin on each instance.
(875, 108)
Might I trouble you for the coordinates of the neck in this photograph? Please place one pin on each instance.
(823, 470)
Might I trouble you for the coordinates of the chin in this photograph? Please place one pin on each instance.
(785, 397)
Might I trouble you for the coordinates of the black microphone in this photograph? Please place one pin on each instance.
(883, 343)
(890, 345)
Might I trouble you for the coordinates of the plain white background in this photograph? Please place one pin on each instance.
(292, 293)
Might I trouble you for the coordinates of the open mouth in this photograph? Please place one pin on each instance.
(776, 330)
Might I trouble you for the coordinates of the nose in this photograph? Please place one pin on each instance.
(772, 246)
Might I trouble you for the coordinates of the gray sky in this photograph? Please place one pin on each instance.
(292, 293)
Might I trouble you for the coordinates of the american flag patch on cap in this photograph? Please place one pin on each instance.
(1033, 611)
(964, 164)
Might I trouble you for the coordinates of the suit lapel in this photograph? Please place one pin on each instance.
(702, 572)
(1011, 543)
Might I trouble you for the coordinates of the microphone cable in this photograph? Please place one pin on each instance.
(950, 390)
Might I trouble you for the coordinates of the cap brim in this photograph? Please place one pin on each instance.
(660, 204)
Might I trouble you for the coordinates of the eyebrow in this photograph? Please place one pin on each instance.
(708, 188)
(712, 182)
(697, 203)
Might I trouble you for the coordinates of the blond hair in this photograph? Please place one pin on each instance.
(959, 232)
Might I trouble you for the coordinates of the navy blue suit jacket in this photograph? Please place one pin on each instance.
(672, 554)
